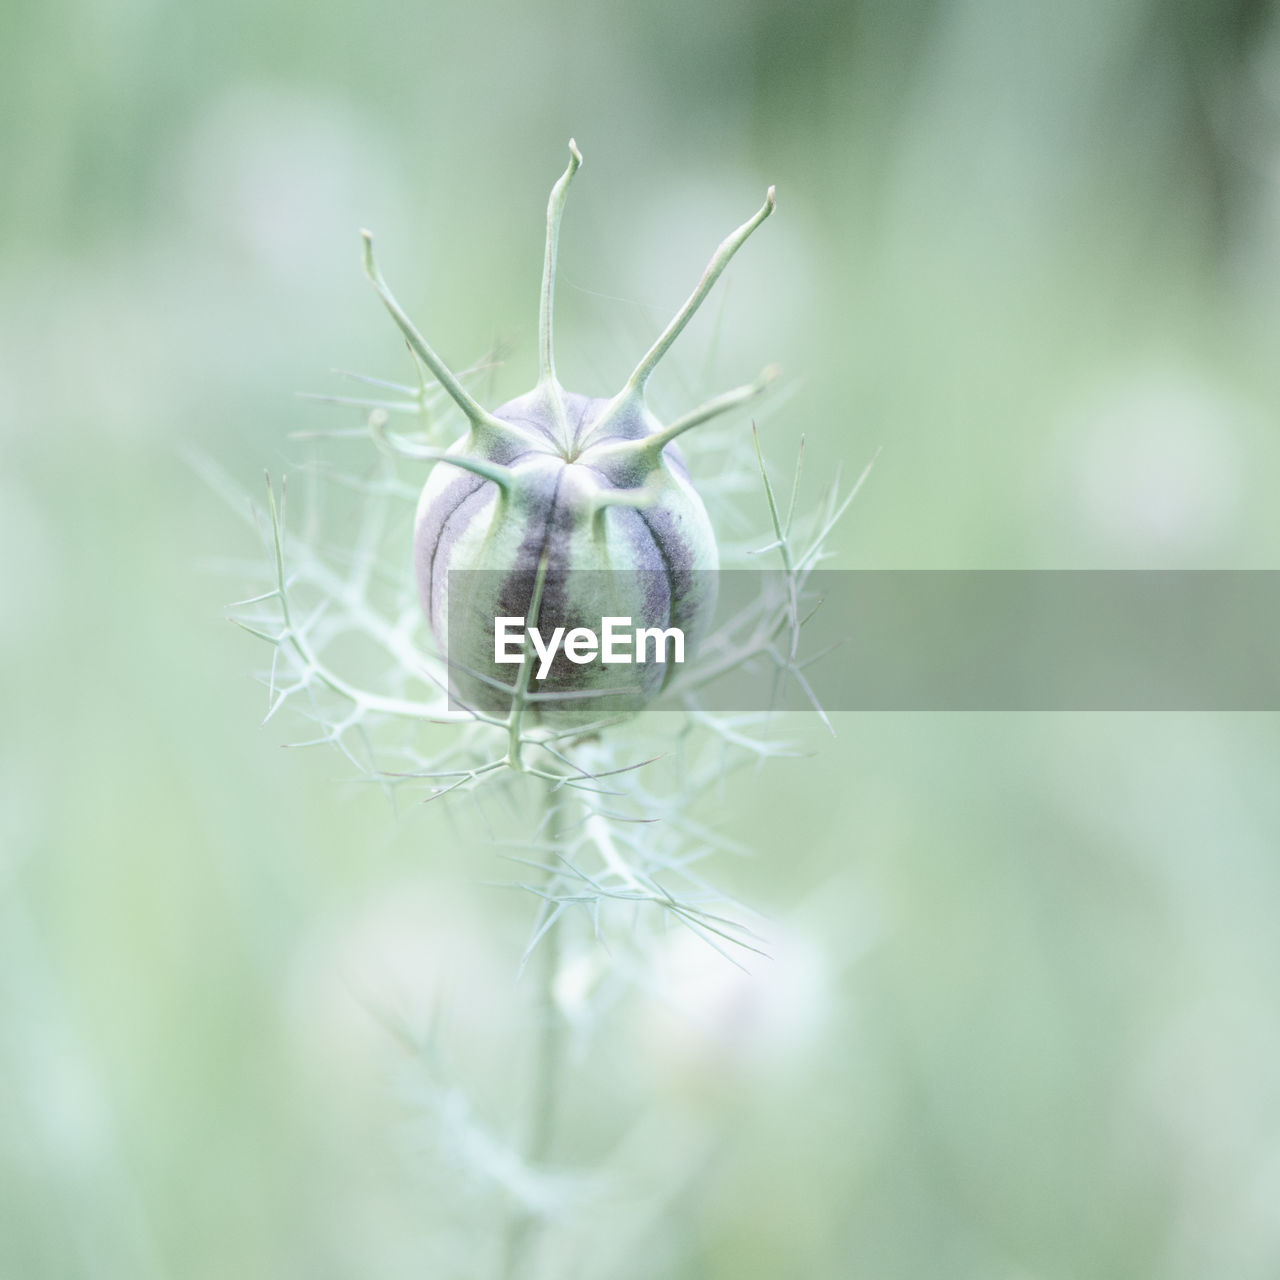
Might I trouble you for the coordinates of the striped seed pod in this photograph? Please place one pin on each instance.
(563, 509)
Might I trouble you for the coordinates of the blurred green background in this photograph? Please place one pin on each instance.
(1023, 1025)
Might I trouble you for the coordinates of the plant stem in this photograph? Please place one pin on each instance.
(520, 1237)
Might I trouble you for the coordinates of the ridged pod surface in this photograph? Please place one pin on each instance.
(563, 509)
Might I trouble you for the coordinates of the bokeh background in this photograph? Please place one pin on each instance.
(1022, 1017)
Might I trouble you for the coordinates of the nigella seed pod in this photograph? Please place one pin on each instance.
(563, 509)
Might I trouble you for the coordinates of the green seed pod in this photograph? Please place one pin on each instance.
(565, 506)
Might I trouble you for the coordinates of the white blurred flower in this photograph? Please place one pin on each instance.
(1157, 465)
(765, 1011)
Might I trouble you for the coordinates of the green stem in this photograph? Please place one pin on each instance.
(520, 1237)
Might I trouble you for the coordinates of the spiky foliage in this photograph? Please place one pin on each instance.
(617, 856)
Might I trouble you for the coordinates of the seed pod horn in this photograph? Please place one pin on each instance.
(632, 395)
(587, 497)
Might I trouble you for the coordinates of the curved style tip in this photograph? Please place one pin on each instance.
(397, 447)
(478, 416)
(651, 446)
(555, 212)
(730, 245)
